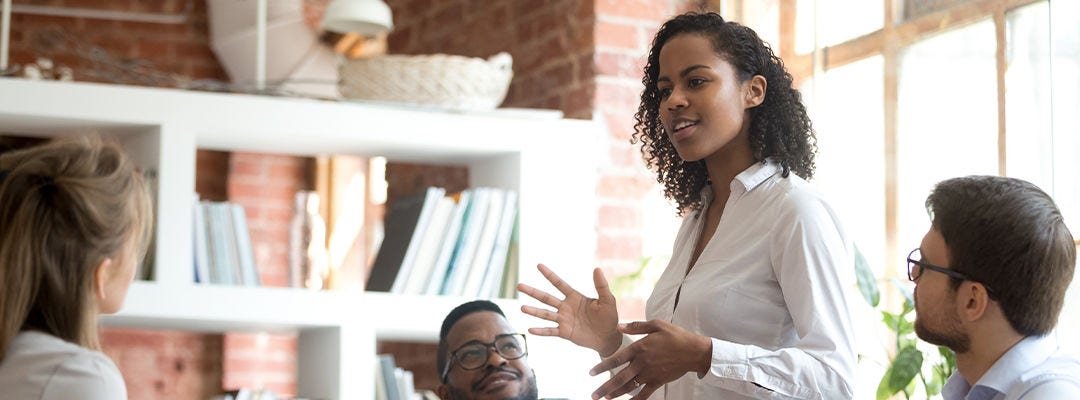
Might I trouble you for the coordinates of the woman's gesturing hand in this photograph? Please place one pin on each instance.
(584, 321)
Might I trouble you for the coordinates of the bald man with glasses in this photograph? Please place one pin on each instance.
(991, 275)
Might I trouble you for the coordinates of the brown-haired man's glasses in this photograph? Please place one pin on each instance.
(474, 354)
(916, 266)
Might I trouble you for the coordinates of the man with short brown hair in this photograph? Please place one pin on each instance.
(991, 276)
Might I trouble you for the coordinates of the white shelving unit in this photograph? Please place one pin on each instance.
(550, 161)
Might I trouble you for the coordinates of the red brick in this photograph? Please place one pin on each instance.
(617, 34)
(619, 64)
(158, 52)
(648, 10)
(577, 102)
(452, 13)
(618, 96)
(620, 124)
(623, 187)
(620, 216)
(622, 246)
(624, 155)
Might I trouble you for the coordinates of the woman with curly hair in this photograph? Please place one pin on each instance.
(752, 304)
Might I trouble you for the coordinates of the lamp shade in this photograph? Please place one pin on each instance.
(366, 17)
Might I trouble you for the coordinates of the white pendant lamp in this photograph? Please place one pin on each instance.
(366, 17)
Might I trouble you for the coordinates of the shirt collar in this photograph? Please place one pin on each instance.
(757, 174)
(745, 181)
(1027, 353)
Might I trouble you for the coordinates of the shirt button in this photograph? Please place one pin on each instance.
(729, 371)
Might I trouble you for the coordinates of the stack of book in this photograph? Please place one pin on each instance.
(222, 242)
(461, 244)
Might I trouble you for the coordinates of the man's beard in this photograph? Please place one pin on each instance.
(951, 336)
(528, 392)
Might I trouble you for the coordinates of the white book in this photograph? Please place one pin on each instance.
(449, 243)
(408, 387)
(471, 228)
(199, 243)
(430, 246)
(479, 264)
(380, 383)
(223, 212)
(493, 280)
(215, 233)
(249, 272)
(431, 198)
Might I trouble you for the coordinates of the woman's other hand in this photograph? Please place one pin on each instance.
(666, 353)
(584, 321)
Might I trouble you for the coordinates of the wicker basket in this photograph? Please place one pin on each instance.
(457, 82)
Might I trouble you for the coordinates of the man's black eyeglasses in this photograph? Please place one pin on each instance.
(474, 354)
(916, 266)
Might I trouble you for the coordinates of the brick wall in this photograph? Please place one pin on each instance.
(551, 43)
(624, 32)
(265, 186)
(166, 365)
(119, 51)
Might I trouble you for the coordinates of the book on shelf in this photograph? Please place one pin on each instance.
(432, 197)
(430, 245)
(485, 243)
(222, 245)
(471, 227)
(244, 250)
(510, 276)
(199, 241)
(216, 243)
(496, 267)
(385, 366)
(399, 228)
(448, 244)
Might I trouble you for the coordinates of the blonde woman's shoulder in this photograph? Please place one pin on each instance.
(41, 366)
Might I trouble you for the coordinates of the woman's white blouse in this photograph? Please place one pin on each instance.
(41, 366)
(769, 289)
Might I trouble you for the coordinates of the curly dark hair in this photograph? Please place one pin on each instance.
(779, 128)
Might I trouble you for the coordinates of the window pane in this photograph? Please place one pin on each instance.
(848, 116)
(1029, 144)
(805, 25)
(1065, 48)
(763, 16)
(848, 19)
(824, 23)
(1065, 53)
(947, 124)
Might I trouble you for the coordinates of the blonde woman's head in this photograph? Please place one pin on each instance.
(76, 219)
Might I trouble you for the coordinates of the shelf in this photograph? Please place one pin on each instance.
(549, 161)
(221, 308)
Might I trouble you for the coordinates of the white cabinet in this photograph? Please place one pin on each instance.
(550, 161)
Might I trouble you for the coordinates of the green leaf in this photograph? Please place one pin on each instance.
(866, 279)
(904, 367)
(883, 392)
(891, 320)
